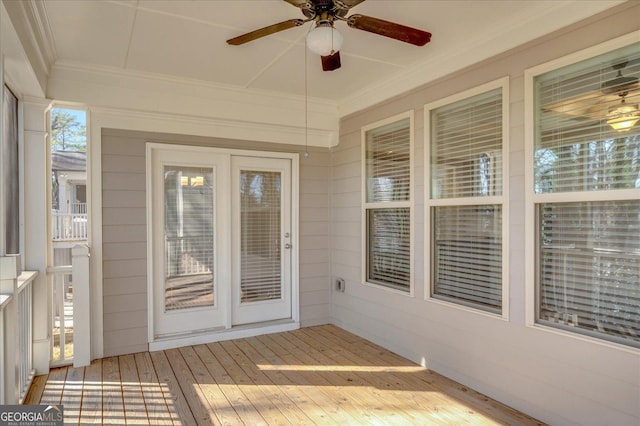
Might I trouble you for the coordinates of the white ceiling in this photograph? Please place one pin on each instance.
(186, 39)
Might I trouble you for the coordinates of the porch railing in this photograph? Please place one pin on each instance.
(78, 208)
(16, 331)
(61, 314)
(70, 316)
(68, 226)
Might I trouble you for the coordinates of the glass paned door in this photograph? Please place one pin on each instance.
(261, 239)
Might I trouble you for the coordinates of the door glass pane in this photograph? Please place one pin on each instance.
(260, 267)
(189, 228)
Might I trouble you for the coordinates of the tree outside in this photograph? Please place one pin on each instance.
(68, 130)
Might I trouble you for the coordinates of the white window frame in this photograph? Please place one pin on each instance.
(366, 206)
(532, 199)
(502, 200)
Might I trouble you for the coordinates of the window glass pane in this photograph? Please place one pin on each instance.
(467, 255)
(388, 162)
(260, 245)
(10, 173)
(466, 147)
(588, 125)
(589, 268)
(189, 237)
(389, 247)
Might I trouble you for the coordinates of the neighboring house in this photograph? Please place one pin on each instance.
(544, 201)
(69, 203)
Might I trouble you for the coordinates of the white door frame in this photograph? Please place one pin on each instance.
(229, 332)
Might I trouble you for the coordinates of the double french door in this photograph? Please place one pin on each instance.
(220, 239)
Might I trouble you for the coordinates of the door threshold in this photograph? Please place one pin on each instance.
(219, 334)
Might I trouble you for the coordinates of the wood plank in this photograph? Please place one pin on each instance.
(135, 411)
(210, 387)
(200, 408)
(366, 403)
(453, 390)
(262, 403)
(433, 408)
(112, 402)
(177, 403)
(154, 393)
(72, 394)
(91, 409)
(239, 367)
(36, 390)
(321, 401)
(52, 394)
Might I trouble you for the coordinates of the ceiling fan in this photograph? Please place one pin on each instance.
(324, 39)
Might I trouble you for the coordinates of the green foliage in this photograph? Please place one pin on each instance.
(67, 133)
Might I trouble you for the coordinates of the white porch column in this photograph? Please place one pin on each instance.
(81, 306)
(36, 227)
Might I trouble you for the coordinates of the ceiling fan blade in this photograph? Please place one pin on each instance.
(389, 29)
(271, 29)
(331, 62)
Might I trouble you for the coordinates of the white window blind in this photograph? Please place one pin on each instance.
(389, 255)
(575, 148)
(467, 255)
(588, 248)
(189, 237)
(387, 204)
(260, 230)
(589, 266)
(465, 207)
(388, 163)
(466, 158)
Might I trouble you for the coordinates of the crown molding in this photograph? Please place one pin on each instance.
(554, 16)
(193, 107)
(30, 22)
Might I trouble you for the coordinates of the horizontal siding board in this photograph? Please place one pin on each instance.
(125, 268)
(124, 233)
(124, 286)
(123, 181)
(125, 320)
(124, 216)
(119, 198)
(125, 303)
(124, 251)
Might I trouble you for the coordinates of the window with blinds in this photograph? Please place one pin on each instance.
(587, 144)
(466, 158)
(387, 203)
(467, 255)
(466, 199)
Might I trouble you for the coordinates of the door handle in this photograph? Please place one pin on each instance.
(287, 246)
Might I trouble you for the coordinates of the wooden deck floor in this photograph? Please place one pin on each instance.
(319, 375)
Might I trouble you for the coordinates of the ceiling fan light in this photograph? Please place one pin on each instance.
(623, 117)
(324, 40)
